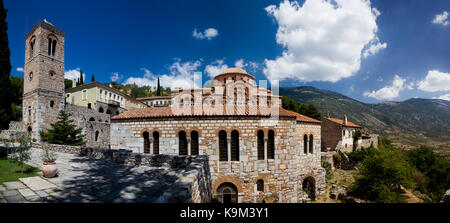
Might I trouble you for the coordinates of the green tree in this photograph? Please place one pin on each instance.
(308, 110)
(93, 78)
(5, 70)
(158, 89)
(22, 153)
(68, 83)
(382, 176)
(81, 78)
(63, 132)
(435, 169)
(16, 91)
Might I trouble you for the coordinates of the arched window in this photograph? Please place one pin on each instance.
(53, 47)
(182, 143)
(155, 142)
(311, 144)
(52, 103)
(227, 193)
(49, 46)
(223, 154)
(30, 76)
(52, 74)
(96, 135)
(305, 144)
(234, 145)
(247, 95)
(235, 95)
(260, 145)
(146, 142)
(108, 111)
(29, 129)
(260, 185)
(92, 119)
(271, 145)
(100, 110)
(194, 143)
(32, 43)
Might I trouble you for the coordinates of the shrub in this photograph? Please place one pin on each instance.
(48, 156)
(22, 153)
(327, 167)
(63, 132)
(357, 156)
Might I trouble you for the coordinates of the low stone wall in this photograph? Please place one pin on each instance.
(328, 157)
(14, 131)
(194, 185)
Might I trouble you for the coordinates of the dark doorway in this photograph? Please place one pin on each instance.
(309, 186)
(227, 193)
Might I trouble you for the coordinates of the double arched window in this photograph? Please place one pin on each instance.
(51, 46)
(308, 145)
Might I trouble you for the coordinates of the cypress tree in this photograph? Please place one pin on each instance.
(93, 78)
(158, 89)
(81, 78)
(5, 70)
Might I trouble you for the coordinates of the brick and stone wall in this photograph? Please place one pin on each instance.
(194, 181)
(13, 132)
(92, 122)
(283, 176)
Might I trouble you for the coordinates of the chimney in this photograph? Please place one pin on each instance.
(345, 119)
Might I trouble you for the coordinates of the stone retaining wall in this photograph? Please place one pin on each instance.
(194, 184)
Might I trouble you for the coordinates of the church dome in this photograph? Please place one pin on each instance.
(234, 73)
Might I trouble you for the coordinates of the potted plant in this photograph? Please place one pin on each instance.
(49, 165)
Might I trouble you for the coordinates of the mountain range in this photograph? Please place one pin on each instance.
(407, 124)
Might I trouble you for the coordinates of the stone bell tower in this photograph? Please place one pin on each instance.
(43, 91)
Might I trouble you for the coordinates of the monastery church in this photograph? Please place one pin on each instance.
(257, 151)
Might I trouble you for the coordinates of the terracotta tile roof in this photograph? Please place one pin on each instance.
(207, 111)
(341, 122)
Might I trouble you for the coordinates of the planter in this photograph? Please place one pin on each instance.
(49, 169)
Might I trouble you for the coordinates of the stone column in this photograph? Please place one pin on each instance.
(151, 145)
(188, 146)
(265, 154)
(229, 151)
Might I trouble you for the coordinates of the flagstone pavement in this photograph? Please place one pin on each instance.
(82, 180)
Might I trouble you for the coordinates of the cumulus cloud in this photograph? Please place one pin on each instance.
(19, 69)
(444, 97)
(181, 75)
(389, 92)
(207, 34)
(116, 76)
(441, 19)
(435, 81)
(73, 74)
(215, 68)
(374, 49)
(240, 63)
(323, 39)
(248, 66)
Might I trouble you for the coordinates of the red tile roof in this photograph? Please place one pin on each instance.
(341, 122)
(194, 111)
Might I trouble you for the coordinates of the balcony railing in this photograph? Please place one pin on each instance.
(114, 103)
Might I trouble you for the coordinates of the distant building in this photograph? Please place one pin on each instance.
(157, 101)
(338, 134)
(104, 99)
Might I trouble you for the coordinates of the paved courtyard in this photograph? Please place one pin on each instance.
(82, 179)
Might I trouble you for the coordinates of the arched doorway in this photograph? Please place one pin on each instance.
(309, 186)
(29, 129)
(227, 193)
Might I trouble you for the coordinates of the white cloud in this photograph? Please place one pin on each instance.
(323, 39)
(444, 97)
(19, 69)
(374, 49)
(74, 74)
(116, 76)
(215, 68)
(441, 19)
(435, 81)
(207, 34)
(388, 92)
(181, 76)
(240, 63)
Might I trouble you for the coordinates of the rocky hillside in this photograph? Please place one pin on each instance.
(408, 124)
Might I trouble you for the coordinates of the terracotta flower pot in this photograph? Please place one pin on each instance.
(49, 169)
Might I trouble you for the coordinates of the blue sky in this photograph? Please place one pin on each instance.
(139, 40)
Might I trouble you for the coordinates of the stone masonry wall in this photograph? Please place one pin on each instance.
(282, 176)
(193, 185)
(100, 124)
